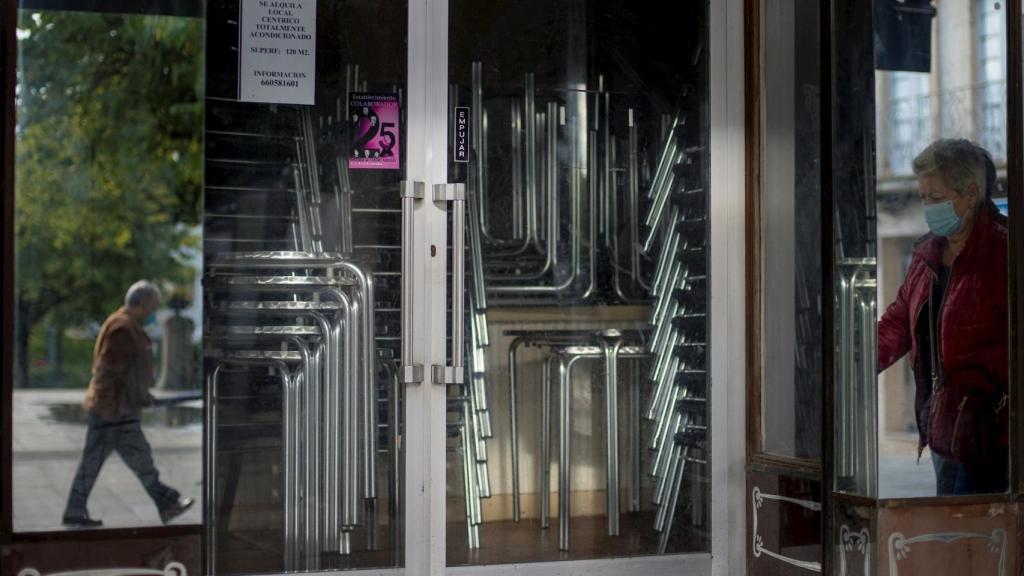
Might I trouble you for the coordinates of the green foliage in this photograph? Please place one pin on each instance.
(76, 355)
(109, 159)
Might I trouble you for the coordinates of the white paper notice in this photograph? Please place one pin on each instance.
(277, 52)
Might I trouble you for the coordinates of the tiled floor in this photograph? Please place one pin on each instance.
(46, 453)
(501, 542)
(47, 449)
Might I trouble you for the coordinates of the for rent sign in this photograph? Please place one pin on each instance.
(277, 51)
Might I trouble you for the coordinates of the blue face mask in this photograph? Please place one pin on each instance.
(150, 320)
(942, 218)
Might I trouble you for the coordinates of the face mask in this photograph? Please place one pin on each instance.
(942, 218)
(150, 320)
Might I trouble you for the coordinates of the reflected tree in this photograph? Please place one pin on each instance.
(108, 162)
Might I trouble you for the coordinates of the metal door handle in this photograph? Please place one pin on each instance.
(456, 194)
(410, 192)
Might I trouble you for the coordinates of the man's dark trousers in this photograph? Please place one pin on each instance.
(125, 436)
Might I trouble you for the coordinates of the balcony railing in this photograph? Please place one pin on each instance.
(975, 112)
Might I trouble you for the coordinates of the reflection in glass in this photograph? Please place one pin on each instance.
(855, 365)
(581, 430)
(108, 147)
(950, 315)
(853, 247)
(991, 74)
(791, 232)
(302, 288)
(959, 96)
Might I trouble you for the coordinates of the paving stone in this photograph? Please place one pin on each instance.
(46, 453)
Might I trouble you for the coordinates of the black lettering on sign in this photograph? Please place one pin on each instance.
(460, 141)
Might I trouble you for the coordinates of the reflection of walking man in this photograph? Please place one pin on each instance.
(122, 372)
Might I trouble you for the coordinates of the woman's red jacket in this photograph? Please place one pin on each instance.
(974, 316)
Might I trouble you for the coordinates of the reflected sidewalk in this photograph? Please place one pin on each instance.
(49, 433)
(899, 473)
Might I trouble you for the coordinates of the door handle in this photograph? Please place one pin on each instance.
(456, 195)
(411, 191)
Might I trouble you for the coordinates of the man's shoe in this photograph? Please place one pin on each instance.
(82, 521)
(176, 509)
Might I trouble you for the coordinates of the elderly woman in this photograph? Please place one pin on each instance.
(950, 314)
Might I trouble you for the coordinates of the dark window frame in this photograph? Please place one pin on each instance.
(757, 457)
(8, 67)
(1015, 193)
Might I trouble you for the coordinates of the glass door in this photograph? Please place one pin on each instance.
(578, 426)
(544, 196)
(303, 231)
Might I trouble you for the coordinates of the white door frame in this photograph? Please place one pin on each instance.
(424, 437)
(728, 288)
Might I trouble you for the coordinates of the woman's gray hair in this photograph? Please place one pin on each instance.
(957, 161)
(141, 292)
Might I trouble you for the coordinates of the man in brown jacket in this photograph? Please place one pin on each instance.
(122, 372)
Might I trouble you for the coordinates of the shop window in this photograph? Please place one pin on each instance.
(790, 407)
(302, 243)
(937, 337)
(108, 173)
(586, 433)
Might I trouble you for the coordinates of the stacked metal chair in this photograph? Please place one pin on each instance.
(272, 309)
(548, 257)
(469, 414)
(588, 232)
(295, 302)
(677, 220)
(571, 226)
(856, 323)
